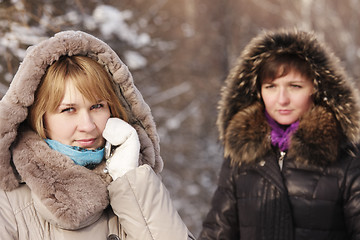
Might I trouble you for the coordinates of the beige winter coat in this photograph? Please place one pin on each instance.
(44, 195)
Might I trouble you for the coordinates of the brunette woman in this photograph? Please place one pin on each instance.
(289, 124)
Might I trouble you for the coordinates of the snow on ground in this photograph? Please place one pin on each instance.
(109, 20)
(113, 21)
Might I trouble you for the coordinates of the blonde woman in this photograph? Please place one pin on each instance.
(79, 150)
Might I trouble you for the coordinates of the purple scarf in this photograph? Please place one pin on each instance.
(281, 137)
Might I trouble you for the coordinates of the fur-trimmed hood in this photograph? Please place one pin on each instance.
(332, 121)
(71, 194)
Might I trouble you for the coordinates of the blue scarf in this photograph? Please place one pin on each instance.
(281, 137)
(80, 156)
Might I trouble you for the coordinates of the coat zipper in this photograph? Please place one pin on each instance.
(281, 159)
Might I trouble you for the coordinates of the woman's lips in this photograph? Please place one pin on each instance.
(284, 112)
(86, 143)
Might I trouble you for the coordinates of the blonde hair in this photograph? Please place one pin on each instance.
(89, 77)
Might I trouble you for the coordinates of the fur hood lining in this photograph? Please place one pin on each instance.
(335, 117)
(20, 95)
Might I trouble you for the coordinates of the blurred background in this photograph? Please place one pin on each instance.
(179, 52)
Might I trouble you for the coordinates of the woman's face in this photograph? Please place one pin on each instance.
(288, 97)
(76, 121)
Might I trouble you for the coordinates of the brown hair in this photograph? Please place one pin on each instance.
(280, 65)
(89, 77)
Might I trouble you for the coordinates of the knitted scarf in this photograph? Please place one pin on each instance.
(280, 137)
(80, 156)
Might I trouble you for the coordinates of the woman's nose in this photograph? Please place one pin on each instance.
(283, 97)
(86, 122)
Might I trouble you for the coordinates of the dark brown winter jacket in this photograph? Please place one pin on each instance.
(316, 195)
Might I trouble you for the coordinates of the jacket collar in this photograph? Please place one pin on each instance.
(65, 194)
(247, 138)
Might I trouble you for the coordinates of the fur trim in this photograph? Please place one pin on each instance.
(13, 106)
(317, 139)
(69, 195)
(335, 101)
(315, 142)
(248, 135)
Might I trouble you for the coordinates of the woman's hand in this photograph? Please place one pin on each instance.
(126, 156)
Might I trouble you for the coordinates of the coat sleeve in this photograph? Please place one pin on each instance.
(222, 221)
(352, 199)
(144, 207)
(8, 226)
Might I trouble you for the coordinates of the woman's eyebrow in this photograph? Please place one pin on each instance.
(67, 104)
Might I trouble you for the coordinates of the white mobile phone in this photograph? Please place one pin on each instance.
(108, 150)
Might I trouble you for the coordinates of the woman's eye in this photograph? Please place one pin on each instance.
(295, 86)
(67, 110)
(269, 86)
(97, 106)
